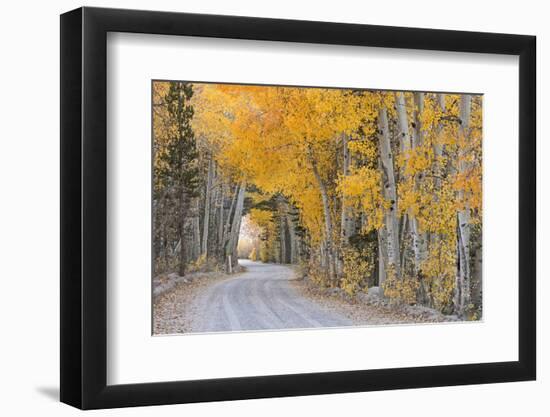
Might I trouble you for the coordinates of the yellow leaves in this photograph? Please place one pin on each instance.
(311, 211)
(319, 115)
(437, 210)
(468, 185)
(272, 135)
(356, 269)
(363, 147)
(400, 289)
(439, 270)
(417, 160)
(430, 116)
(274, 138)
(408, 198)
(261, 217)
(361, 189)
(262, 221)
(362, 182)
(385, 99)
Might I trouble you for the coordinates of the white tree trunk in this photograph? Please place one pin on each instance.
(390, 191)
(420, 237)
(207, 198)
(227, 225)
(402, 119)
(382, 258)
(438, 153)
(411, 139)
(408, 142)
(330, 254)
(196, 230)
(437, 145)
(438, 148)
(463, 238)
(345, 219)
(282, 237)
(236, 223)
(476, 295)
(221, 221)
(293, 241)
(417, 134)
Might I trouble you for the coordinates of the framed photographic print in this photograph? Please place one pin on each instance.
(257, 208)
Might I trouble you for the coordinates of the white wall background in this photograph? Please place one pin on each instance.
(29, 208)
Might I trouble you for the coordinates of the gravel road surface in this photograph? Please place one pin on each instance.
(260, 298)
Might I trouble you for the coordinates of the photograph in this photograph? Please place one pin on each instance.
(296, 207)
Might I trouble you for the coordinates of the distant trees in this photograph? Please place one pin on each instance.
(364, 188)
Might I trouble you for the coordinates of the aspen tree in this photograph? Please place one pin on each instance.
(391, 235)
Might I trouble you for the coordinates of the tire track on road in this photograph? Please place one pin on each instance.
(260, 299)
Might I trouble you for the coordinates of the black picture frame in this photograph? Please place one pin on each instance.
(84, 207)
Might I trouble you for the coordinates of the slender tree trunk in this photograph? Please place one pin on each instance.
(288, 246)
(213, 241)
(345, 212)
(411, 141)
(156, 232)
(476, 285)
(382, 258)
(390, 192)
(196, 249)
(328, 222)
(282, 239)
(438, 170)
(420, 238)
(207, 198)
(402, 119)
(227, 225)
(404, 227)
(437, 146)
(463, 216)
(221, 222)
(181, 232)
(235, 255)
(292, 240)
(323, 259)
(236, 223)
(405, 144)
(344, 225)
(417, 134)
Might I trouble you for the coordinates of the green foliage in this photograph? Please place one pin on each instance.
(175, 172)
(180, 154)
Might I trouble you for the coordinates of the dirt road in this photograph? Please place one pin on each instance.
(258, 299)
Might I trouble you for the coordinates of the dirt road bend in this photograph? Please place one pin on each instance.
(258, 299)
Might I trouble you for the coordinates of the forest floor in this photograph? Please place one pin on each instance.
(270, 296)
(368, 309)
(173, 307)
